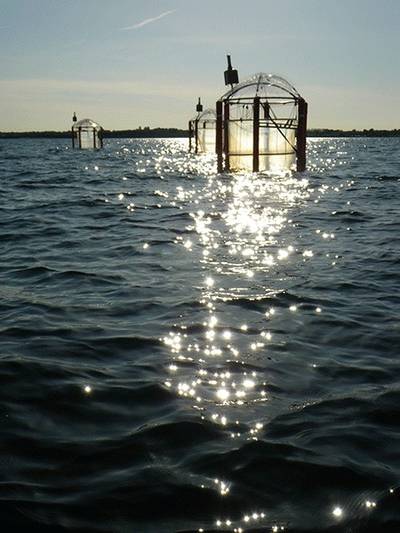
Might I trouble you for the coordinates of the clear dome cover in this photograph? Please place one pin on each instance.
(206, 115)
(87, 123)
(202, 127)
(264, 86)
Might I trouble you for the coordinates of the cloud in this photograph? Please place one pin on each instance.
(149, 21)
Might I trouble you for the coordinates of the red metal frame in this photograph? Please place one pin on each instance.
(302, 135)
(219, 137)
(299, 124)
(256, 134)
(226, 135)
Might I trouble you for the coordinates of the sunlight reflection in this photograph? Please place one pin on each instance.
(237, 224)
(369, 504)
(243, 233)
(246, 242)
(337, 512)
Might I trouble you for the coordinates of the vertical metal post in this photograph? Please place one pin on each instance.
(219, 137)
(226, 135)
(256, 134)
(302, 135)
(101, 137)
(266, 110)
(73, 137)
(196, 136)
(79, 138)
(190, 135)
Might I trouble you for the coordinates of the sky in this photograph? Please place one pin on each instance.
(131, 63)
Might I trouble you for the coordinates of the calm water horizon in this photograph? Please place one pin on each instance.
(183, 351)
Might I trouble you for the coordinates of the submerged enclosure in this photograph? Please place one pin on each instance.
(86, 134)
(202, 132)
(261, 125)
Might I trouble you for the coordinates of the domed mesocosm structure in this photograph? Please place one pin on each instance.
(202, 132)
(261, 125)
(87, 134)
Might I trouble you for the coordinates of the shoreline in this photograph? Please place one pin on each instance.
(178, 133)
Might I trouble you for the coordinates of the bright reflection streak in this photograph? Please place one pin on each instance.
(242, 233)
(236, 225)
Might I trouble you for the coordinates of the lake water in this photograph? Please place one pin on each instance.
(186, 351)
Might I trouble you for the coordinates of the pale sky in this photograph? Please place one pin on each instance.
(130, 63)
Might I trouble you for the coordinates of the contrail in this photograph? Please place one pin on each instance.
(149, 21)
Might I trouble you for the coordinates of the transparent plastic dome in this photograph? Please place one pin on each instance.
(207, 115)
(87, 133)
(202, 127)
(264, 86)
(86, 123)
(206, 131)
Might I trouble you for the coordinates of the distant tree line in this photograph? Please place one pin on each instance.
(147, 132)
(353, 133)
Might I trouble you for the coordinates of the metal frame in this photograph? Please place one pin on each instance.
(219, 141)
(76, 135)
(193, 134)
(190, 135)
(194, 127)
(226, 135)
(269, 120)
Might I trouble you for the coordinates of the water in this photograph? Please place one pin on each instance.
(182, 351)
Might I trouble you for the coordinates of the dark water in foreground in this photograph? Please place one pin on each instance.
(188, 352)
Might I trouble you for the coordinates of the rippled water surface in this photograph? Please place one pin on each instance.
(186, 351)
